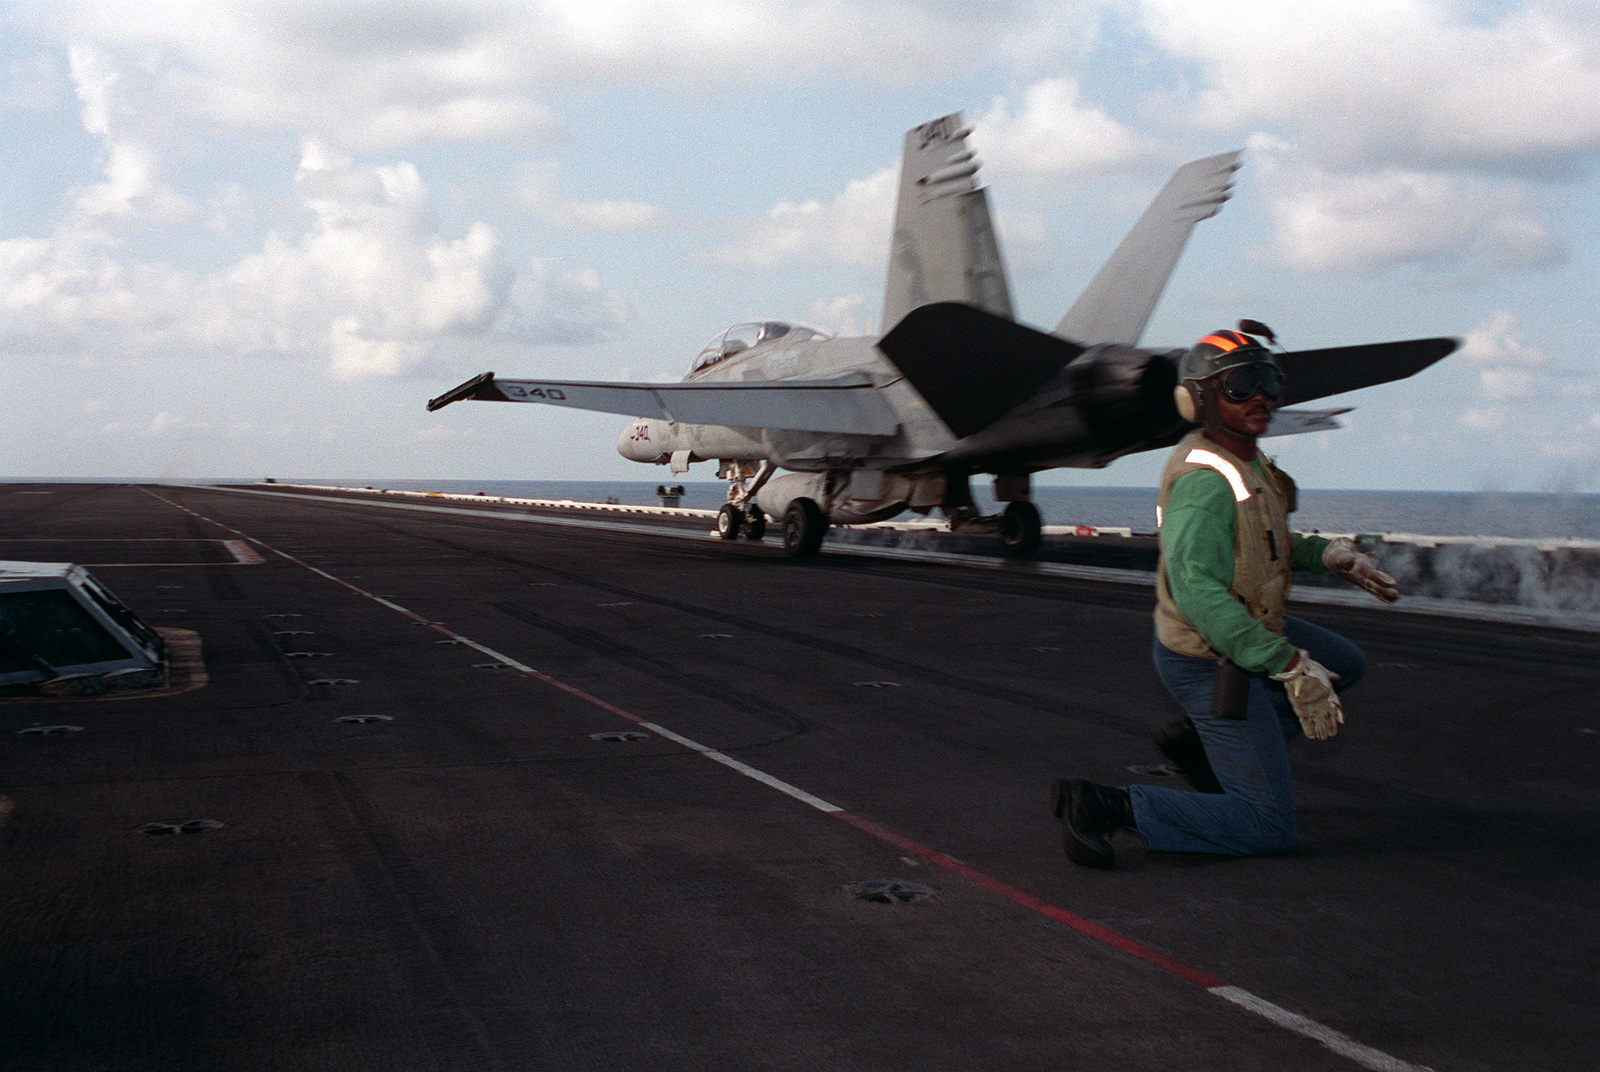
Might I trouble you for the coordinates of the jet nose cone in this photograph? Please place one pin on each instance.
(637, 444)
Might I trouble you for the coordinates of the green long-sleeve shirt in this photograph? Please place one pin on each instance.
(1197, 534)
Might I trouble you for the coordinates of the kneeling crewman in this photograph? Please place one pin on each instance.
(1248, 677)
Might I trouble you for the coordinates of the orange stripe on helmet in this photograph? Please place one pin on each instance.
(1225, 342)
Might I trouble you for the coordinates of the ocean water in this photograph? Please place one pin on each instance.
(1533, 515)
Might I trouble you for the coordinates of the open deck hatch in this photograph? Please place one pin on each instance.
(64, 633)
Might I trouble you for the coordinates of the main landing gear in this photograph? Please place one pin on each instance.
(1021, 529)
(803, 527)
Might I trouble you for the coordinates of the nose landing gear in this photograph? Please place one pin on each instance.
(731, 521)
(740, 513)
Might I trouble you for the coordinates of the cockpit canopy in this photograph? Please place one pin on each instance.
(743, 337)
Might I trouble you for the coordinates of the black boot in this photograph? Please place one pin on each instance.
(1180, 742)
(1089, 814)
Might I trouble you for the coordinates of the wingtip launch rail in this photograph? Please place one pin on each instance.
(479, 388)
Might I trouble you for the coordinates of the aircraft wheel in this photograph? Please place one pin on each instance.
(729, 518)
(803, 526)
(1021, 529)
(755, 523)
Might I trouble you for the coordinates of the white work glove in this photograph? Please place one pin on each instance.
(1341, 557)
(1310, 688)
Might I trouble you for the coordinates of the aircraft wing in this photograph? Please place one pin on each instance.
(1298, 421)
(846, 405)
(1313, 374)
(1118, 301)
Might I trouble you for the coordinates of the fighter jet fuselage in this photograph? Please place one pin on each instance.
(814, 429)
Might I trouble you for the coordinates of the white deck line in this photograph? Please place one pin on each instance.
(1338, 1042)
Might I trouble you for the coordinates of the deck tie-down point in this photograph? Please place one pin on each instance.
(887, 891)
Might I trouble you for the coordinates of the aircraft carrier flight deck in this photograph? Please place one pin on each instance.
(448, 789)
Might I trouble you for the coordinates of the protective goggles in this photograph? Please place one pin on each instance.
(1240, 383)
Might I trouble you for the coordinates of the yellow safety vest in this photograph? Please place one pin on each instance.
(1262, 543)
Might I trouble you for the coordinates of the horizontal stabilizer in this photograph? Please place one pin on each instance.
(973, 367)
(1313, 374)
(845, 405)
(1299, 421)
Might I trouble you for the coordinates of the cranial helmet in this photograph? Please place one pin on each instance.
(1210, 357)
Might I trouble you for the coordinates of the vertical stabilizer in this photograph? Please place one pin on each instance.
(943, 247)
(1118, 301)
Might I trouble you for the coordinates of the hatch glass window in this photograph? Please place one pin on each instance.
(14, 660)
(119, 613)
(52, 625)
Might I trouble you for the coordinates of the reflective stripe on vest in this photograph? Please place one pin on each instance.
(1223, 466)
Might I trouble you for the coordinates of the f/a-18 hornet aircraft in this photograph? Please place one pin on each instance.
(868, 427)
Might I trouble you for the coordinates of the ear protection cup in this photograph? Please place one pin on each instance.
(1188, 409)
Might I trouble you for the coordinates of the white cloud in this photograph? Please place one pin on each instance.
(230, 211)
(1505, 362)
(847, 315)
(1373, 83)
(359, 75)
(381, 75)
(132, 193)
(1053, 133)
(739, 41)
(564, 308)
(369, 284)
(94, 80)
(369, 289)
(164, 425)
(1484, 419)
(1371, 221)
(462, 119)
(852, 229)
(535, 190)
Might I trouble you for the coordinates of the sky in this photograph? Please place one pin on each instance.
(251, 239)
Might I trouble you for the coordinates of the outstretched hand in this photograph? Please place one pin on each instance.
(1341, 557)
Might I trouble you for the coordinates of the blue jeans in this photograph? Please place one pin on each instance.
(1254, 814)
